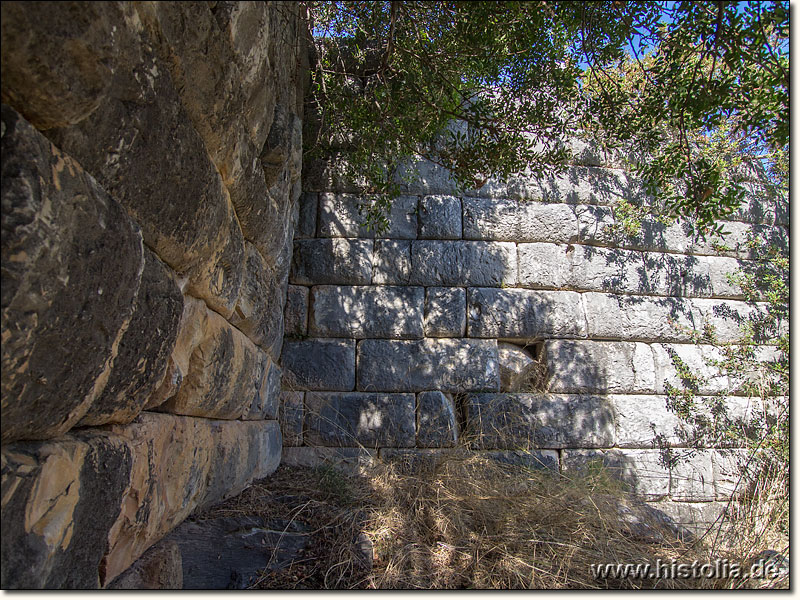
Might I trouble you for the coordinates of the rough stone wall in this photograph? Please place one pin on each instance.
(150, 165)
(513, 320)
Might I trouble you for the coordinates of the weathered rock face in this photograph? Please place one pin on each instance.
(72, 263)
(151, 155)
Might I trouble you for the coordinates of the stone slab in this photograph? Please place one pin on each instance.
(577, 366)
(391, 262)
(514, 221)
(692, 478)
(359, 419)
(445, 312)
(291, 417)
(639, 470)
(348, 460)
(331, 261)
(366, 312)
(527, 315)
(296, 311)
(525, 421)
(437, 420)
(439, 218)
(319, 364)
(463, 263)
(449, 365)
(340, 216)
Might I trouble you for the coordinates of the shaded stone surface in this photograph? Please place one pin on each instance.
(345, 459)
(359, 419)
(439, 218)
(319, 364)
(366, 312)
(515, 366)
(339, 216)
(539, 421)
(445, 364)
(291, 417)
(229, 552)
(437, 422)
(510, 220)
(144, 349)
(159, 568)
(331, 261)
(295, 313)
(391, 262)
(524, 314)
(72, 265)
(639, 470)
(463, 263)
(445, 312)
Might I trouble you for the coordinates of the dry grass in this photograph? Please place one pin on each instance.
(470, 522)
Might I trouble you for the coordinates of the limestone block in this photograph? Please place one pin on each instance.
(307, 221)
(60, 499)
(692, 478)
(696, 358)
(422, 177)
(344, 215)
(439, 218)
(319, 364)
(762, 205)
(437, 423)
(639, 418)
(259, 307)
(694, 516)
(463, 263)
(144, 349)
(291, 417)
(600, 367)
(526, 421)
(449, 365)
(640, 470)
(349, 460)
(332, 261)
(524, 314)
(727, 317)
(179, 464)
(645, 318)
(734, 472)
(391, 262)
(510, 220)
(359, 419)
(265, 402)
(296, 312)
(72, 265)
(58, 65)
(123, 144)
(517, 367)
(720, 269)
(159, 568)
(445, 312)
(419, 459)
(528, 459)
(366, 311)
(222, 370)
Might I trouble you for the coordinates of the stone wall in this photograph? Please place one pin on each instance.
(515, 320)
(151, 156)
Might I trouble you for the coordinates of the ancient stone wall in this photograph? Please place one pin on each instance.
(150, 165)
(515, 320)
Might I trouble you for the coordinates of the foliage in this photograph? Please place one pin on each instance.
(698, 91)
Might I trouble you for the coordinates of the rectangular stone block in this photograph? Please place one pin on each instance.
(445, 312)
(696, 517)
(734, 471)
(344, 215)
(639, 418)
(331, 261)
(360, 419)
(509, 421)
(692, 478)
(296, 312)
(514, 221)
(366, 311)
(291, 416)
(449, 365)
(391, 262)
(577, 185)
(600, 367)
(517, 314)
(463, 263)
(696, 358)
(642, 318)
(265, 403)
(420, 176)
(640, 470)
(439, 218)
(437, 422)
(319, 364)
